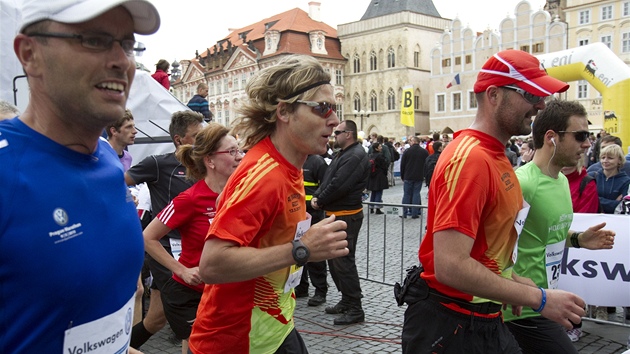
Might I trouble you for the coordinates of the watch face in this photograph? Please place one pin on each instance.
(301, 253)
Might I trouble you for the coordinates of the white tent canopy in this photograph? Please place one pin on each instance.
(150, 104)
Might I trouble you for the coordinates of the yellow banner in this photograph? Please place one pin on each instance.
(406, 107)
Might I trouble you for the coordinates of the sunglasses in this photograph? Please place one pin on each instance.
(233, 152)
(322, 109)
(531, 98)
(337, 132)
(580, 135)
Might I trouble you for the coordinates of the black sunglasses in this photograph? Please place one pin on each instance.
(322, 109)
(580, 135)
(531, 98)
(337, 132)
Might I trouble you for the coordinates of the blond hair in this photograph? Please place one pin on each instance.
(294, 77)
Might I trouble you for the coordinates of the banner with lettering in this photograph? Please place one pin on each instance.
(600, 277)
(407, 107)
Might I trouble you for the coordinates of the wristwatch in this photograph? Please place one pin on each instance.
(300, 252)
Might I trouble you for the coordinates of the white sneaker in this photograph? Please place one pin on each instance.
(574, 334)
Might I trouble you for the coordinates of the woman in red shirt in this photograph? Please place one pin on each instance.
(210, 161)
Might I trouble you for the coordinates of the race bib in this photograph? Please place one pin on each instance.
(106, 335)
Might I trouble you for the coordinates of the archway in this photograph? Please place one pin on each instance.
(608, 74)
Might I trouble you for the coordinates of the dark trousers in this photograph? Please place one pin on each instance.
(432, 328)
(344, 269)
(376, 197)
(315, 270)
(411, 195)
(541, 336)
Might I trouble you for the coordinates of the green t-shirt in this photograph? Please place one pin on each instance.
(542, 241)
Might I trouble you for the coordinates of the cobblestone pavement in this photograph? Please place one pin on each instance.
(379, 260)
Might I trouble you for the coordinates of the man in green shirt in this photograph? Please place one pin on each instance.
(560, 133)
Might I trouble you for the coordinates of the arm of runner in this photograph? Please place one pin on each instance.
(454, 267)
(152, 235)
(225, 261)
(594, 238)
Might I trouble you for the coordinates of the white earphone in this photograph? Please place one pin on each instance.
(553, 141)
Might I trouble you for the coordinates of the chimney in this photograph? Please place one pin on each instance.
(313, 11)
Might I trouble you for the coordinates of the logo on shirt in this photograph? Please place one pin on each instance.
(66, 232)
(60, 216)
(507, 180)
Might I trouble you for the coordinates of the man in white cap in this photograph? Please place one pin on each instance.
(71, 243)
(475, 209)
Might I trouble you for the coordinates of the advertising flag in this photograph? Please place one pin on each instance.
(407, 107)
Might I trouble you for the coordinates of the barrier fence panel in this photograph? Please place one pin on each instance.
(388, 244)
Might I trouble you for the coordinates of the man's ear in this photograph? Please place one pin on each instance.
(282, 113)
(28, 54)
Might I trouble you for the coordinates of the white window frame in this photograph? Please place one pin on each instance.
(625, 42)
(625, 9)
(582, 89)
(606, 12)
(439, 96)
(472, 100)
(457, 101)
(607, 40)
(584, 17)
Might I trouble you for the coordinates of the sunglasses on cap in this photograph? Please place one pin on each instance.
(322, 109)
(531, 98)
(580, 135)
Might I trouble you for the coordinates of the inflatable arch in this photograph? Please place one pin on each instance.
(598, 65)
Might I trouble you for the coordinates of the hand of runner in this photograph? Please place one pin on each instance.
(326, 240)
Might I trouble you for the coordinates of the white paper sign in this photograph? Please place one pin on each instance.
(600, 277)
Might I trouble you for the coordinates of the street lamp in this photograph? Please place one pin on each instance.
(361, 113)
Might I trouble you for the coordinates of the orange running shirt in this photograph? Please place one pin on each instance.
(261, 206)
(474, 191)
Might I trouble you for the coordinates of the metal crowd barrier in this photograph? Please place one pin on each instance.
(388, 244)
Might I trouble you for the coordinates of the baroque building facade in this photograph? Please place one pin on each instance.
(227, 65)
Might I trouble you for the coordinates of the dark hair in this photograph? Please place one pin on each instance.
(437, 145)
(180, 121)
(119, 123)
(555, 117)
(162, 64)
(351, 126)
(611, 139)
(206, 143)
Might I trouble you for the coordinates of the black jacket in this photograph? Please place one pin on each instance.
(377, 180)
(412, 163)
(314, 169)
(344, 180)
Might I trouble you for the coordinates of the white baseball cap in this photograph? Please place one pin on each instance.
(145, 16)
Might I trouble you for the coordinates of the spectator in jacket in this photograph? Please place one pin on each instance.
(161, 73)
(340, 194)
(429, 163)
(412, 174)
(377, 181)
(199, 103)
(612, 181)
